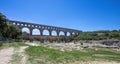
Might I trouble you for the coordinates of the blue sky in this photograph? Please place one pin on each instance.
(85, 15)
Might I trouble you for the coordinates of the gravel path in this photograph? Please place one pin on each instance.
(5, 55)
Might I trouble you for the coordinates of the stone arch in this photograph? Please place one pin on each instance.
(45, 32)
(25, 29)
(54, 33)
(18, 24)
(77, 33)
(35, 32)
(14, 23)
(25, 25)
(73, 33)
(68, 34)
(61, 33)
(32, 25)
(25, 33)
(29, 25)
(22, 24)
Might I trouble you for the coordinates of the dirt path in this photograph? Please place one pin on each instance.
(5, 55)
(22, 54)
(19, 56)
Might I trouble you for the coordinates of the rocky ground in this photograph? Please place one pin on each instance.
(72, 46)
(64, 46)
(6, 54)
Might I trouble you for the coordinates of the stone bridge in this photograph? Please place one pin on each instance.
(41, 28)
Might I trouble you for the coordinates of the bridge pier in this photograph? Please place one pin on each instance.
(41, 36)
(41, 39)
(58, 37)
(30, 36)
(50, 39)
(50, 36)
(65, 37)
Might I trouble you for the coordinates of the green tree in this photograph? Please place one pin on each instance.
(13, 32)
(7, 29)
(99, 35)
(3, 25)
(114, 35)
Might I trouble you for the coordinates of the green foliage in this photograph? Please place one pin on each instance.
(81, 43)
(118, 45)
(99, 35)
(3, 25)
(13, 31)
(102, 31)
(8, 30)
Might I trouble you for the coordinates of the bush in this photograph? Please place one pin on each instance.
(81, 43)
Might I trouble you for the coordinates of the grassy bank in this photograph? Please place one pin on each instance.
(13, 44)
(42, 55)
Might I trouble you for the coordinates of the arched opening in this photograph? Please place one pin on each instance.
(54, 33)
(73, 33)
(25, 33)
(18, 24)
(25, 25)
(28, 25)
(36, 32)
(14, 23)
(68, 33)
(77, 33)
(45, 32)
(26, 30)
(61, 33)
